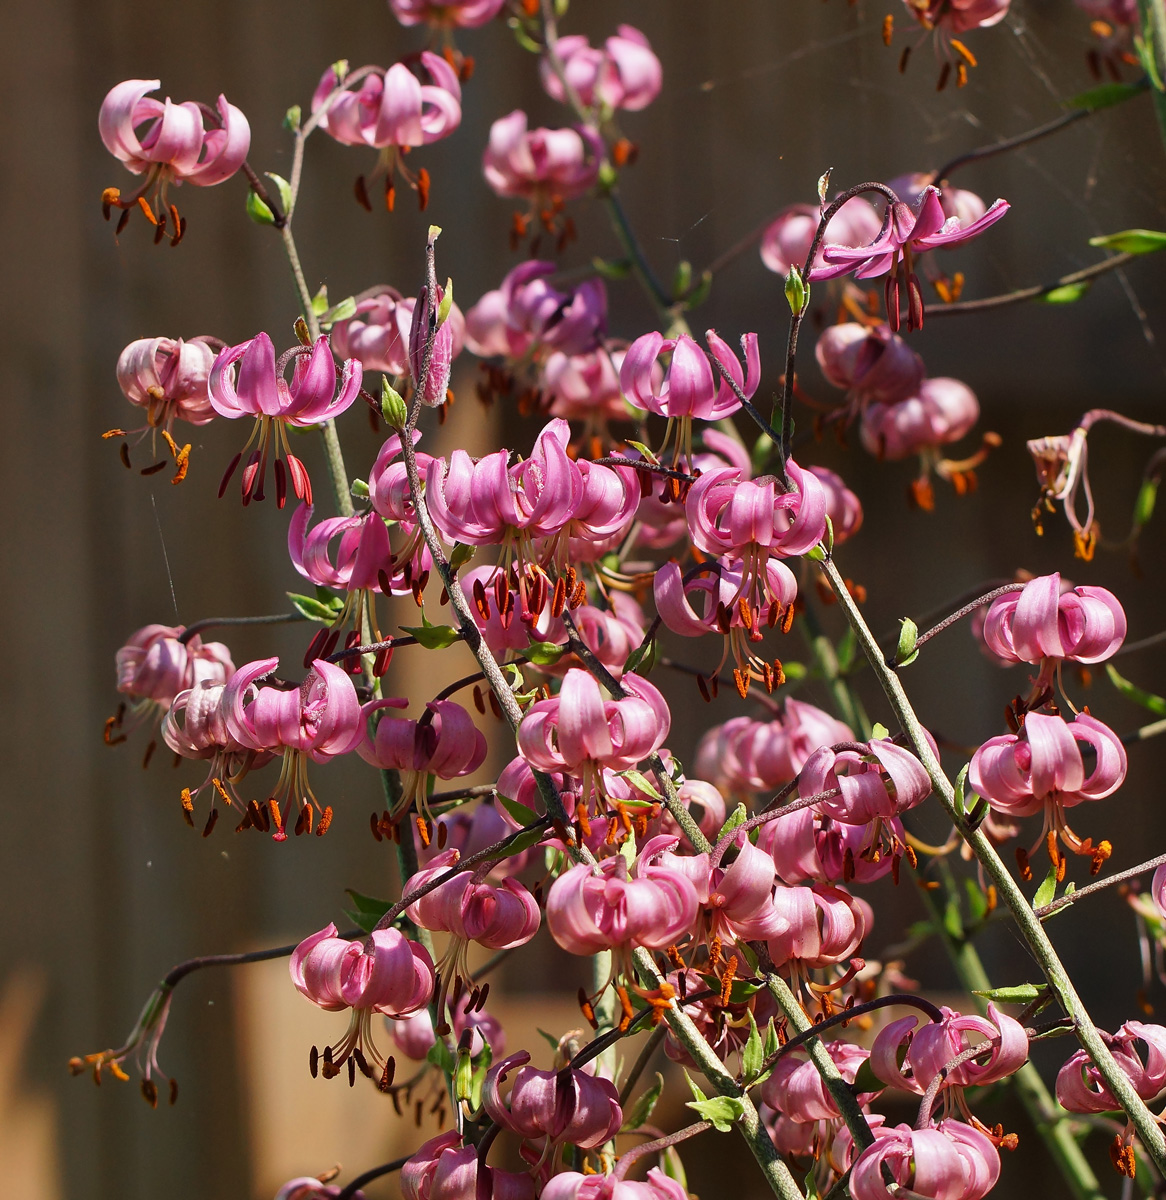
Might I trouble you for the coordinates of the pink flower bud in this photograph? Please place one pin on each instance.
(910, 1053)
(1020, 774)
(786, 242)
(872, 364)
(885, 781)
(559, 163)
(171, 140)
(413, 1035)
(377, 335)
(941, 411)
(625, 74)
(168, 378)
(393, 107)
(952, 1161)
(1086, 624)
(797, 1090)
(843, 507)
(1081, 1089)
(386, 973)
(567, 1106)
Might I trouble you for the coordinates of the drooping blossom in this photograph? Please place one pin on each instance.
(546, 166)
(612, 634)
(580, 731)
(797, 1090)
(388, 485)
(392, 111)
(843, 507)
(624, 74)
(958, 16)
(939, 412)
(709, 811)
(317, 720)
(443, 1169)
(1080, 1087)
(510, 618)
(444, 743)
(377, 334)
(744, 756)
(735, 603)
(170, 144)
(446, 14)
(908, 232)
(384, 973)
(154, 666)
(752, 519)
(168, 378)
(872, 364)
(910, 1053)
(786, 242)
(1041, 769)
(808, 847)
(1046, 624)
(877, 780)
(571, 1185)
(256, 387)
(818, 926)
(528, 315)
(952, 1161)
(570, 1106)
(956, 202)
(649, 904)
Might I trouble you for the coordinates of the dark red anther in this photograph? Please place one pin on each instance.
(226, 474)
(315, 646)
(361, 192)
(280, 484)
(384, 656)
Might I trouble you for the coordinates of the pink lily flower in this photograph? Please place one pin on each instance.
(318, 720)
(786, 242)
(808, 847)
(819, 926)
(568, 1107)
(652, 905)
(585, 387)
(392, 111)
(910, 1053)
(546, 165)
(624, 74)
(743, 756)
(496, 602)
(195, 727)
(446, 14)
(871, 364)
(443, 743)
(1081, 1089)
(751, 520)
(383, 973)
(612, 634)
(489, 502)
(257, 388)
(168, 378)
(445, 1170)
(796, 1089)
(1042, 769)
(843, 507)
(468, 833)
(388, 485)
(905, 234)
(952, 1161)
(377, 334)
(170, 144)
(734, 603)
(571, 1185)
(956, 202)
(940, 411)
(579, 731)
(959, 16)
(878, 781)
(709, 812)
(1045, 624)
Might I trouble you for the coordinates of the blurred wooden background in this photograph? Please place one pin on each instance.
(103, 885)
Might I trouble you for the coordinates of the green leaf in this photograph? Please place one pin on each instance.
(525, 841)
(771, 1045)
(1132, 241)
(1067, 294)
(1105, 95)
(550, 1040)
(291, 118)
(865, 1080)
(544, 654)
(338, 312)
(627, 850)
(461, 555)
(1144, 505)
(697, 1094)
(642, 659)
(759, 455)
(1047, 889)
(722, 1111)
(977, 901)
(519, 812)
(641, 783)
(368, 910)
(681, 279)
(698, 294)
(671, 1165)
(439, 1055)
(1021, 993)
(961, 800)
(258, 210)
(359, 490)
(737, 817)
(320, 301)
(810, 1187)
(1155, 704)
(908, 634)
(446, 304)
(614, 269)
(879, 732)
(797, 291)
(645, 451)
(953, 922)
(432, 637)
(313, 609)
(642, 1109)
(753, 1053)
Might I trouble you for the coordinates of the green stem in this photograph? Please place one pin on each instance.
(1007, 888)
(846, 704)
(840, 1091)
(1152, 14)
(1054, 1127)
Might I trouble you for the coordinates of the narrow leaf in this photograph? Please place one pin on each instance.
(1132, 241)
(1047, 889)
(644, 1106)
(1155, 704)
